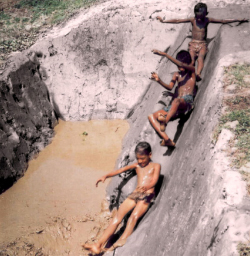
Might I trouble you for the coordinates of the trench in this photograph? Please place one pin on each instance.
(182, 220)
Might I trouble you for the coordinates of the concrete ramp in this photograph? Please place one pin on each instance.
(189, 216)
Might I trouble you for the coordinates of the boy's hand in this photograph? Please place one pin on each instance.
(158, 52)
(159, 18)
(102, 179)
(155, 51)
(154, 76)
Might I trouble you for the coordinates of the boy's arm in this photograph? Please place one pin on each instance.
(173, 20)
(212, 20)
(116, 172)
(154, 180)
(169, 86)
(189, 67)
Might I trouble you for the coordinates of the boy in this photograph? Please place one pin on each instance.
(198, 46)
(183, 102)
(139, 200)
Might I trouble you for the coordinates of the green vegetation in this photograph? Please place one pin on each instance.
(238, 109)
(84, 134)
(243, 249)
(4, 17)
(235, 75)
(21, 21)
(246, 178)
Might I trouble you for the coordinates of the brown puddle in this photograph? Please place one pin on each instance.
(58, 190)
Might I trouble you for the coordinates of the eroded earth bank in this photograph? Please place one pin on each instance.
(97, 67)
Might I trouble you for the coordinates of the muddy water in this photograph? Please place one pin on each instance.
(60, 182)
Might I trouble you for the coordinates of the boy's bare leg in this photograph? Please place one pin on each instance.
(176, 103)
(153, 119)
(138, 212)
(193, 57)
(200, 61)
(124, 208)
(162, 120)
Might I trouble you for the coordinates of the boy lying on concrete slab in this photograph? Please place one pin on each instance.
(198, 45)
(183, 102)
(139, 200)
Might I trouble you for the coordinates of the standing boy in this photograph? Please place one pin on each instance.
(183, 102)
(139, 200)
(198, 46)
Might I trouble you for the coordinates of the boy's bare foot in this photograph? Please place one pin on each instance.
(119, 243)
(162, 120)
(93, 248)
(198, 77)
(167, 143)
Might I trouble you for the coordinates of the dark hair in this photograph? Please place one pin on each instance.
(200, 6)
(143, 148)
(184, 56)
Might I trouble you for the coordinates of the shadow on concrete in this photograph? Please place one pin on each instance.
(115, 200)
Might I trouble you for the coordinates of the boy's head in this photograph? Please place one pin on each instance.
(200, 11)
(143, 153)
(185, 57)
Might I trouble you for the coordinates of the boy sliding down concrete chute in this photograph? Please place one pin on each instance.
(198, 45)
(138, 201)
(183, 101)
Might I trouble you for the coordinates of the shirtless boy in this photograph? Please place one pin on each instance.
(139, 200)
(183, 102)
(198, 46)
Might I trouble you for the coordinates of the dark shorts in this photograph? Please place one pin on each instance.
(140, 196)
(189, 99)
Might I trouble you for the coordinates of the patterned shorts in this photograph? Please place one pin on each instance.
(197, 46)
(140, 196)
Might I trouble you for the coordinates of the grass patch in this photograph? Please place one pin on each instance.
(241, 132)
(235, 74)
(246, 177)
(238, 109)
(238, 103)
(21, 21)
(242, 116)
(4, 17)
(243, 249)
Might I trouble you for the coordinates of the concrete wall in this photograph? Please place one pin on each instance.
(191, 216)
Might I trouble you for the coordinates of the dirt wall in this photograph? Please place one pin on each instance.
(27, 120)
(96, 66)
